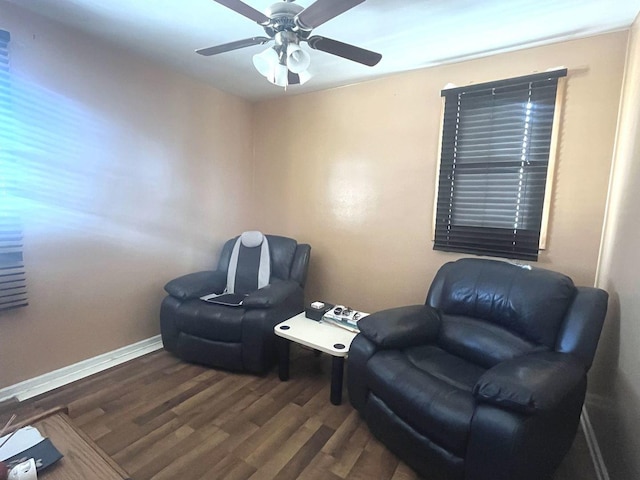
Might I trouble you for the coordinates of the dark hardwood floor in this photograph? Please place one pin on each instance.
(161, 418)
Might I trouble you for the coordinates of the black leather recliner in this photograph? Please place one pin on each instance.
(487, 380)
(234, 338)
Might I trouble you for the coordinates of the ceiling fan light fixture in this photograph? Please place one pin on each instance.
(297, 59)
(279, 75)
(265, 62)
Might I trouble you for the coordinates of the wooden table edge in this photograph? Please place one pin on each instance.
(63, 412)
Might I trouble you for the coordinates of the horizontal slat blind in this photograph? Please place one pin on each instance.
(4, 50)
(13, 289)
(493, 168)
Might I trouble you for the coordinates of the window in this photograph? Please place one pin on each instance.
(13, 291)
(496, 145)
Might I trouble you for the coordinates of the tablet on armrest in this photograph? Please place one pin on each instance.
(228, 299)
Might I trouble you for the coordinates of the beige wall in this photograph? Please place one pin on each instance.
(614, 396)
(133, 175)
(352, 171)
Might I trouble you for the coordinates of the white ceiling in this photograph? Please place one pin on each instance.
(409, 34)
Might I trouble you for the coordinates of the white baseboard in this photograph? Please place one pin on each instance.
(594, 449)
(63, 376)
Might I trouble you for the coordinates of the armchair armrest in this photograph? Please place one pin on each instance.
(401, 327)
(195, 285)
(272, 295)
(530, 383)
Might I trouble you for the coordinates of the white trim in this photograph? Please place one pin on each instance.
(57, 378)
(552, 161)
(594, 449)
(436, 190)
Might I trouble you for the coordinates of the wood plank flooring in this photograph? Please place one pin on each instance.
(161, 418)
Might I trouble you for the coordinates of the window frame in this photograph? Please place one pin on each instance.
(559, 75)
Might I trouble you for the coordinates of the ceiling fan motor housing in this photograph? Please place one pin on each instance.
(282, 18)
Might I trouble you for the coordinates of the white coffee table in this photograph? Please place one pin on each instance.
(324, 337)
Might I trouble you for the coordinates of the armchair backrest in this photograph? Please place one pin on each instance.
(289, 260)
(250, 264)
(521, 308)
(529, 302)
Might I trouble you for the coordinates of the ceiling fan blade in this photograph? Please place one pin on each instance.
(245, 10)
(344, 50)
(323, 10)
(227, 47)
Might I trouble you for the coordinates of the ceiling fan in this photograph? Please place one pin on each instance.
(289, 24)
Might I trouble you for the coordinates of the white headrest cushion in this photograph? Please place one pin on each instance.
(251, 239)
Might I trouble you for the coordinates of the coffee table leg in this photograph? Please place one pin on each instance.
(337, 372)
(283, 358)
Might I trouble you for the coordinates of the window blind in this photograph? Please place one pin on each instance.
(493, 168)
(13, 290)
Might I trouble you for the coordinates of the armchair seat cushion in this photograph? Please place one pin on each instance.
(482, 342)
(454, 370)
(429, 389)
(210, 321)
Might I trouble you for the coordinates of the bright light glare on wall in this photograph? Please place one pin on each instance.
(351, 192)
(45, 166)
(67, 169)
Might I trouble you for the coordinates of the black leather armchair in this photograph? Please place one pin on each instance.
(234, 338)
(487, 380)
